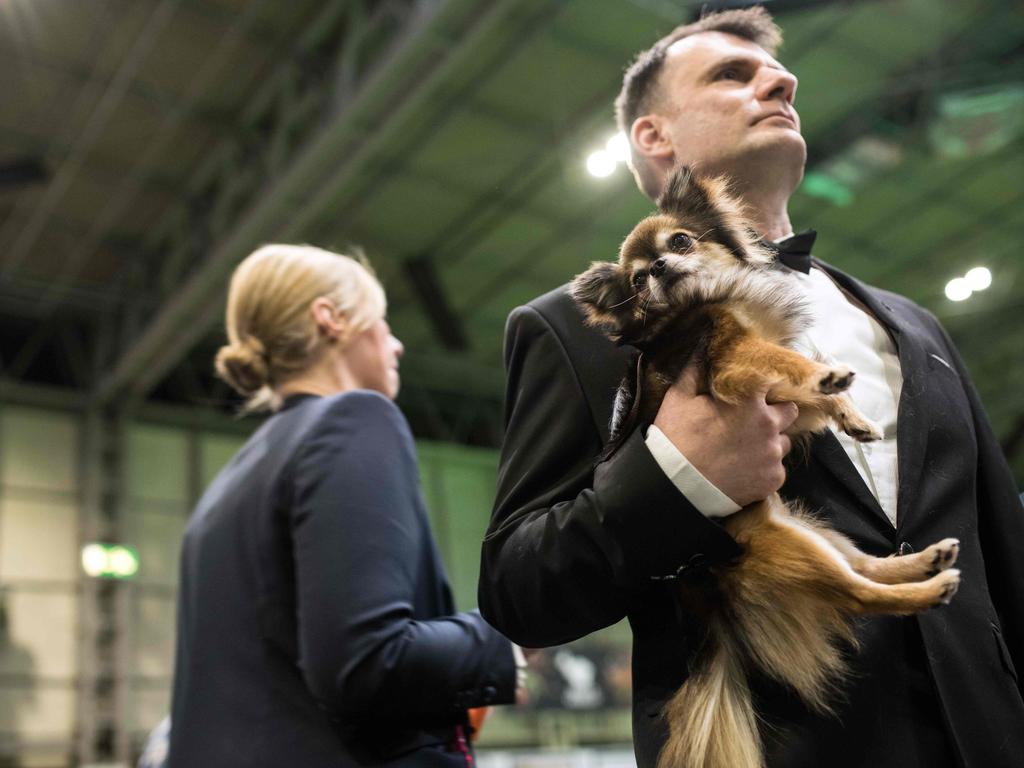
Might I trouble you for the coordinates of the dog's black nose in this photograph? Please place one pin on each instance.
(658, 268)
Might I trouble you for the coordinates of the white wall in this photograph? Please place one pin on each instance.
(39, 498)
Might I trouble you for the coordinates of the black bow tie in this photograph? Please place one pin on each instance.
(795, 251)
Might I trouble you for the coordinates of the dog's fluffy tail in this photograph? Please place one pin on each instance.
(711, 718)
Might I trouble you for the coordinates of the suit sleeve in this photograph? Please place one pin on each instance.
(569, 546)
(360, 541)
(1000, 519)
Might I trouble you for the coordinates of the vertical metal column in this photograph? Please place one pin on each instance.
(105, 610)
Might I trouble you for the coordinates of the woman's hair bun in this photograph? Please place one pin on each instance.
(244, 365)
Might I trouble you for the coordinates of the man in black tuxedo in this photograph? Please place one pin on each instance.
(573, 548)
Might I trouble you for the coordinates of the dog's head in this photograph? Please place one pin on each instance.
(690, 252)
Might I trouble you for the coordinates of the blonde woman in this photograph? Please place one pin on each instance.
(316, 625)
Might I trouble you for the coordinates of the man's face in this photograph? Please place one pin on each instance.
(728, 107)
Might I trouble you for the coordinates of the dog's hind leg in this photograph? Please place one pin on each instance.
(896, 569)
(853, 592)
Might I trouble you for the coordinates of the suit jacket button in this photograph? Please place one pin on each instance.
(905, 548)
(490, 692)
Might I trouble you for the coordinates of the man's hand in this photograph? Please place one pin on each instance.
(738, 448)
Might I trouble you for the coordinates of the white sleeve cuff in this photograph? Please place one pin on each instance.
(697, 489)
(520, 658)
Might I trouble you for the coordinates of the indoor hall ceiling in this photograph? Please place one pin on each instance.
(449, 140)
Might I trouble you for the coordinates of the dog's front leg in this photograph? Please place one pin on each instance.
(746, 364)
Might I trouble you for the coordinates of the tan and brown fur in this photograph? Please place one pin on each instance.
(694, 285)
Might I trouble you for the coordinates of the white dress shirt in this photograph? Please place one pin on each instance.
(840, 331)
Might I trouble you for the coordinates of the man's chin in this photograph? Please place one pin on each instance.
(777, 152)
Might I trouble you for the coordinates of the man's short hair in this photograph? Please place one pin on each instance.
(640, 83)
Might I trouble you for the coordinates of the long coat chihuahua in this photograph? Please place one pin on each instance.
(694, 284)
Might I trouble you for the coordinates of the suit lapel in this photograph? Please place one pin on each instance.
(827, 453)
(911, 419)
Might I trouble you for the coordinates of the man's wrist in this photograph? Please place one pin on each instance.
(704, 495)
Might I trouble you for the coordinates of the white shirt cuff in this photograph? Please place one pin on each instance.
(697, 489)
(520, 658)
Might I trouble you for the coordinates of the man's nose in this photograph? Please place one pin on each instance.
(775, 84)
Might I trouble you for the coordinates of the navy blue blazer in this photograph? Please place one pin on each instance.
(572, 548)
(316, 625)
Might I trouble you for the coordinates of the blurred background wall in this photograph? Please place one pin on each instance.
(75, 650)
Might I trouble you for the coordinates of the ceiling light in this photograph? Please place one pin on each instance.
(958, 289)
(978, 278)
(600, 164)
(618, 147)
(94, 559)
(109, 561)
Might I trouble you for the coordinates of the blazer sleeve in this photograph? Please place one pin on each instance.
(569, 544)
(1000, 519)
(360, 537)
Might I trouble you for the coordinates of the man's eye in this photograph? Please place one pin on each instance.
(680, 242)
(729, 74)
(639, 279)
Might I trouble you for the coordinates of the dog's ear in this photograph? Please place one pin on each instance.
(707, 203)
(604, 293)
(686, 195)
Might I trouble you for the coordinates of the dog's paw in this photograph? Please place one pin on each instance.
(861, 429)
(835, 380)
(942, 555)
(948, 583)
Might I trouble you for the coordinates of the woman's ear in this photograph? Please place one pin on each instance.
(329, 321)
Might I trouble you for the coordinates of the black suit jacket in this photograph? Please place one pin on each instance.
(315, 622)
(572, 549)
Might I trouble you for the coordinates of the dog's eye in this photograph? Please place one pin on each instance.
(680, 242)
(640, 279)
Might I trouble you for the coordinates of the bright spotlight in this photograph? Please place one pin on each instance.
(958, 289)
(978, 278)
(600, 164)
(109, 561)
(618, 147)
(122, 562)
(94, 559)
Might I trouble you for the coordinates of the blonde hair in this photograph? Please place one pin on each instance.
(272, 335)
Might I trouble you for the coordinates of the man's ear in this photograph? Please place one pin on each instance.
(604, 292)
(650, 140)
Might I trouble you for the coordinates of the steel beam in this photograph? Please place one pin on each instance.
(420, 58)
(91, 132)
(121, 199)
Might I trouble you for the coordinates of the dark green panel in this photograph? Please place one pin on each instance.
(470, 148)
(417, 208)
(614, 26)
(548, 82)
(461, 482)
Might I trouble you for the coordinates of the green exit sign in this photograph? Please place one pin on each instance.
(109, 561)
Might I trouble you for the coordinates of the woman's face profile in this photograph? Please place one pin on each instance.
(372, 357)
